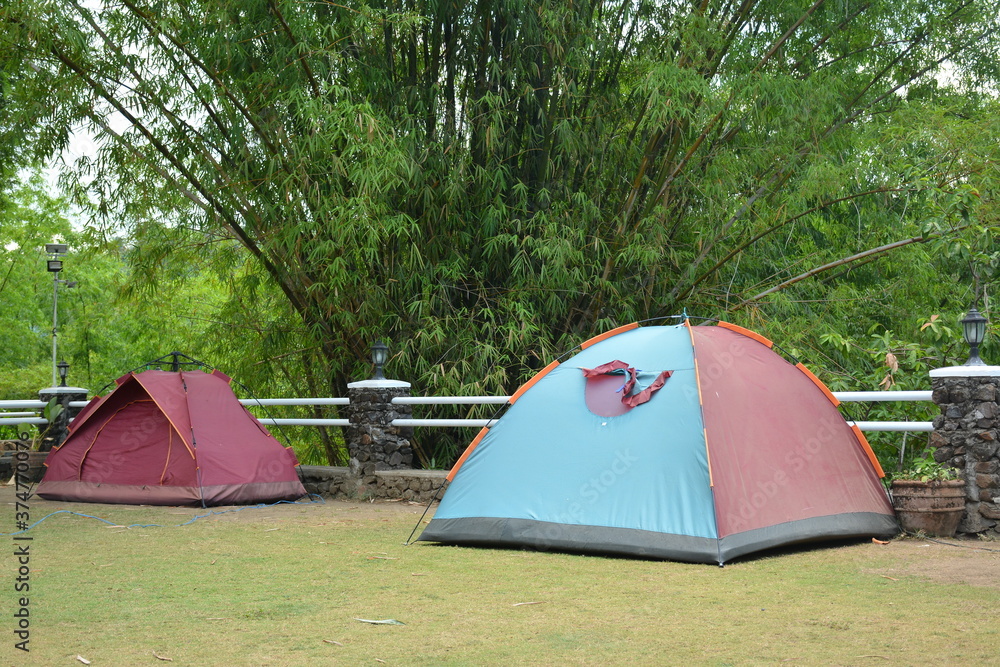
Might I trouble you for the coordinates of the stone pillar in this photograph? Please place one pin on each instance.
(372, 441)
(58, 430)
(965, 437)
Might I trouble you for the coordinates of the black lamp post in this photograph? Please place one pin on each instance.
(54, 265)
(974, 330)
(380, 352)
(63, 372)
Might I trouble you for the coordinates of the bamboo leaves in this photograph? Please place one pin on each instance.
(496, 179)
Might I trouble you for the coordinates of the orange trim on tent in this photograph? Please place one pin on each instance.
(173, 429)
(166, 461)
(818, 383)
(530, 383)
(166, 414)
(868, 450)
(220, 374)
(465, 454)
(608, 334)
(93, 441)
(746, 332)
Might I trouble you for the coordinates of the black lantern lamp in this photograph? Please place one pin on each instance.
(380, 353)
(63, 372)
(974, 330)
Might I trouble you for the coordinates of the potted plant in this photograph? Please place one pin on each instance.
(929, 498)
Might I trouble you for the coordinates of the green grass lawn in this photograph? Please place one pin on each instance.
(283, 586)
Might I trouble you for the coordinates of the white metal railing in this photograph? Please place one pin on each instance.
(450, 400)
(272, 421)
(22, 405)
(295, 401)
(843, 396)
(899, 427)
(865, 396)
(292, 421)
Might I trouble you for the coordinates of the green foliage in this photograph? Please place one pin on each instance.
(882, 360)
(487, 184)
(925, 469)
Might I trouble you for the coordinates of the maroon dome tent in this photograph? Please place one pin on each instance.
(170, 438)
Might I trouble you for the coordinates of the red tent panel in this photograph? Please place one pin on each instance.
(775, 466)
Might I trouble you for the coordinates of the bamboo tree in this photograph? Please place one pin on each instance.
(488, 183)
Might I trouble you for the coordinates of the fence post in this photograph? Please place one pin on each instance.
(373, 443)
(966, 435)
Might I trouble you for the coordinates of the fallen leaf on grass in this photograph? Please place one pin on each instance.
(879, 541)
(380, 660)
(331, 641)
(219, 618)
(884, 576)
(270, 529)
(162, 657)
(521, 604)
(382, 558)
(417, 574)
(387, 621)
(83, 660)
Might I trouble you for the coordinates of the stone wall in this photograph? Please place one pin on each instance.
(338, 483)
(965, 437)
(373, 443)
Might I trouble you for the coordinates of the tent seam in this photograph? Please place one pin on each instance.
(704, 435)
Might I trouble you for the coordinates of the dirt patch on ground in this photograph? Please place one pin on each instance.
(970, 562)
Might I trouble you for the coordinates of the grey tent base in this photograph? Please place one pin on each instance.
(544, 536)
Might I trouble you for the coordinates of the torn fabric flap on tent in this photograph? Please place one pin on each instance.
(631, 374)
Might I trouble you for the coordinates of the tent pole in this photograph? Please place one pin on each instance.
(434, 496)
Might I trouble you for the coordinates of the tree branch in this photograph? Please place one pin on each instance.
(833, 265)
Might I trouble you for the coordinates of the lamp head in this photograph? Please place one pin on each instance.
(974, 331)
(63, 372)
(380, 353)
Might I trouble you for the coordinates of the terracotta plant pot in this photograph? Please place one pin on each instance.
(32, 465)
(932, 508)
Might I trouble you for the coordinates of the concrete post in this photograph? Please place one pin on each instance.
(372, 441)
(966, 435)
